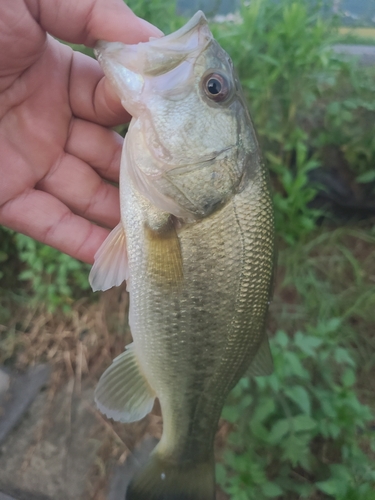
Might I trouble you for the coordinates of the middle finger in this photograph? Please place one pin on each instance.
(78, 186)
(98, 146)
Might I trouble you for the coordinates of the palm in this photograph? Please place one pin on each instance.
(56, 152)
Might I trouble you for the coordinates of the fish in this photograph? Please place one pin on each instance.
(195, 245)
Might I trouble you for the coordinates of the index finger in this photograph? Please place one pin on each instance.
(46, 219)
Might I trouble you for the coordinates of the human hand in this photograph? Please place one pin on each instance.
(56, 152)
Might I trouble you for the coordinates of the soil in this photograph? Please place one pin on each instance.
(49, 454)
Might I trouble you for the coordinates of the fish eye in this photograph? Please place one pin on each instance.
(216, 87)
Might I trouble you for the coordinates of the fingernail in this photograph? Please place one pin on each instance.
(150, 28)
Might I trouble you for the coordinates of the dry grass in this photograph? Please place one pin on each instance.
(358, 32)
(78, 346)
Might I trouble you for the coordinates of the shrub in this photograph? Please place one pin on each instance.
(299, 432)
(55, 279)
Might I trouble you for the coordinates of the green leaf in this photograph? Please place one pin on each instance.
(368, 176)
(3, 256)
(271, 490)
(332, 325)
(279, 430)
(259, 430)
(231, 413)
(307, 343)
(300, 397)
(331, 486)
(342, 356)
(295, 449)
(220, 473)
(348, 378)
(265, 408)
(293, 365)
(334, 429)
(282, 338)
(303, 423)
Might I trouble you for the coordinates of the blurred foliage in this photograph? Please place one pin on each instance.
(160, 13)
(51, 279)
(348, 120)
(53, 276)
(304, 431)
(300, 430)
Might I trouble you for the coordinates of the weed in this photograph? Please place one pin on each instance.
(53, 276)
(162, 14)
(305, 431)
(300, 430)
(348, 119)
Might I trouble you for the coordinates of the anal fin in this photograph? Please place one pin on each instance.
(123, 392)
(262, 364)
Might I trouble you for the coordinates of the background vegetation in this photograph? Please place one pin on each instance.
(306, 432)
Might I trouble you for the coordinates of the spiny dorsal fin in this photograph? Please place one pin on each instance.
(123, 392)
(111, 261)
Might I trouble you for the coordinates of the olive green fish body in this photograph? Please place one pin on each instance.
(196, 246)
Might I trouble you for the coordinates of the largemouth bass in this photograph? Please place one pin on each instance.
(196, 246)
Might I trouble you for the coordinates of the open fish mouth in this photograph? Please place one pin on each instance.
(128, 66)
(159, 55)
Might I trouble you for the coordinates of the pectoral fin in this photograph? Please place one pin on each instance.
(164, 257)
(262, 363)
(123, 392)
(111, 262)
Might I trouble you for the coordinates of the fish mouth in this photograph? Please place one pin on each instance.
(127, 66)
(158, 55)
